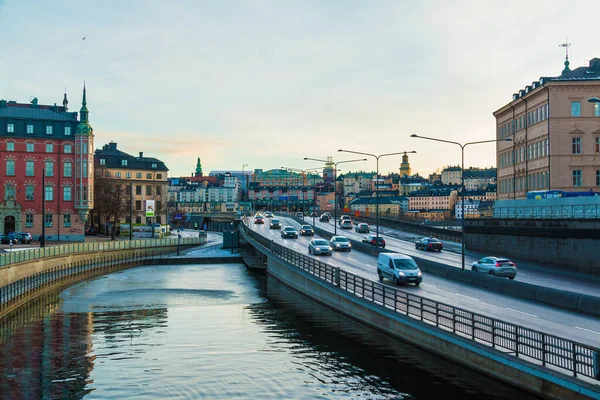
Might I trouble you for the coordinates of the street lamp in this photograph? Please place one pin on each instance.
(377, 178)
(334, 186)
(178, 239)
(462, 178)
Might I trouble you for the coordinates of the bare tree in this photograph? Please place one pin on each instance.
(111, 198)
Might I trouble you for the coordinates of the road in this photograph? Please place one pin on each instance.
(577, 327)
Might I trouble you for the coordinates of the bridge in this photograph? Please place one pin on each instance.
(539, 332)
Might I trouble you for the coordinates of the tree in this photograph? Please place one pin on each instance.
(112, 197)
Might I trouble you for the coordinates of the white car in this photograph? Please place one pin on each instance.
(495, 266)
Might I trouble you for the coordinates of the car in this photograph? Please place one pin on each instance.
(269, 214)
(344, 217)
(259, 219)
(428, 243)
(289, 232)
(375, 241)
(90, 230)
(340, 243)
(25, 237)
(275, 224)
(324, 218)
(319, 246)
(346, 224)
(362, 228)
(300, 214)
(398, 268)
(496, 266)
(314, 214)
(307, 230)
(327, 213)
(8, 239)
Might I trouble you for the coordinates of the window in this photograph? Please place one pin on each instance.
(596, 109)
(29, 193)
(84, 193)
(158, 191)
(30, 147)
(9, 192)
(48, 221)
(124, 163)
(598, 145)
(49, 193)
(138, 190)
(148, 176)
(29, 220)
(10, 167)
(138, 205)
(68, 149)
(48, 129)
(148, 190)
(158, 219)
(576, 145)
(85, 169)
(597, 177)
(153, 165)
(49, 148)
(10, 128)
(67, 132)
(29, 129)
(67, 220)
(138, 175)
(67, 193)
(158, 176)
(102, 161)
(67, 169)
(127, 174)
(10, 146)
(577, 178)
(543, 113)
(138, 220)
(49, 168)
(117, 174)
(575, 109)
(85, 148)
(29, 168)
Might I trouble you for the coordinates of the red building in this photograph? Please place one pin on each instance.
(46, 157)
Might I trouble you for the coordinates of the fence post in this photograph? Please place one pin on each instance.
(543, 349)
(453, 319)
(517, 341)
(337, 277)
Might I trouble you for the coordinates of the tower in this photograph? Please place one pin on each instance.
(198, 168)
(405, 166)
(328, 170)
(84, 162)
(66, 102)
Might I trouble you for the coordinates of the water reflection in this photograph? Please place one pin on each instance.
(209, 332)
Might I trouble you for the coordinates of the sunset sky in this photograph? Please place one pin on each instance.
(267, 83)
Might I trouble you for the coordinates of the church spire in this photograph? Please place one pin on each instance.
(566, 45)
(198, 168)
(84, 127)
(66, 102)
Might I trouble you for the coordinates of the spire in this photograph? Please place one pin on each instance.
(566, 45)
(66, 102)
(198, 168)
(84, 127)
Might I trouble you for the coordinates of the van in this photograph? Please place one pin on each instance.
(398, 268)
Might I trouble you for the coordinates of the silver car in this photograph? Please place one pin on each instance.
(319, 246)
(340, 243)
(495, 266)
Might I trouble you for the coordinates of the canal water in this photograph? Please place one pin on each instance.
(212, 332)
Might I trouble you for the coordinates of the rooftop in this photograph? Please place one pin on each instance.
(113, 159)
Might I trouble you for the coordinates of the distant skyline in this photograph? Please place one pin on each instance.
(267, 83)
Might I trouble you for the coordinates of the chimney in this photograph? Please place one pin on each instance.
(112, 146)
(141, 154)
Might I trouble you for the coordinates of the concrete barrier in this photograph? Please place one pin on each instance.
(561, 298)
(589, 304)
(520, 289)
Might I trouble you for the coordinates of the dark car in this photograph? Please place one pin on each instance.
(91, 231)
(375, 241)
(289, 232)
(307, 230)
(275, 224)
(8, 239)
(428, 243)
(362, 228)
(324, 218)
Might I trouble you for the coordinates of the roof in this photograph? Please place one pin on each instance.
(12, 111)
(480, 173)
(382, 200)
(113, 159)
(447, 169)
(442, 191)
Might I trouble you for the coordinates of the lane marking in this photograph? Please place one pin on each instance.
(521, 312)
(587, 330)
(427, 284)
(468, 297)
(352, 259)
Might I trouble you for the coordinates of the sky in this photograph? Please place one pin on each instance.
(267, 83)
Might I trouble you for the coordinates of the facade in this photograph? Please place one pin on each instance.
(391, 206)
(356, 182)
(405, 166)
(554, 127)
(411, 184)
(433, 199)
(148, 176)
(51, 139)
(192, 197)
(471, 209)
(451, 175)
(244, 178)
(476, 178)
(281, 189)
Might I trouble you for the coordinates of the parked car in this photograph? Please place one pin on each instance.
(362, 228)
(307, 230)
(324, 218)
(275, 224)
(340, 243)
(375, 241)
(8, 239)
(495, 266)
(398, 268)
(26, 237)
(428, 243)
(289, 232)
(259, 219)
(346, 224)
(319, 246)
(90, 230)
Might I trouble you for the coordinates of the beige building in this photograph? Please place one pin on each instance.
(451, 175)
(554, 124)
(433, 199)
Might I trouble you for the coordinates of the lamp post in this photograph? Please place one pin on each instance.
(231, 224)
(43, 241)
(178, 239)
(334, 185)
(462, 179)
(377, 157)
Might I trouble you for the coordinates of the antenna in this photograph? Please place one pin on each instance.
(566, 45)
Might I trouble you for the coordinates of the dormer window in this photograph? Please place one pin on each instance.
(67, 130)
(10, 128)
(102, 161)
(124, 163)
(153, 165)
(29, 129)
(48, 129)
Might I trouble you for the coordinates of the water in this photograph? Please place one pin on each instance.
(213, 332)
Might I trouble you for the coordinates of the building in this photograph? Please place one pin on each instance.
(148, 175)
(478, 178)
(471, 209)
(388, 206)
(451, 175)
(355, 182)
(244, 178)
(435, 177)
(405, 166)
(441, 198)
(50, 139)
(415, 183)
(554, 127)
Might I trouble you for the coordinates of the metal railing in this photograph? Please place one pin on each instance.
(54, 251)
(577, 358)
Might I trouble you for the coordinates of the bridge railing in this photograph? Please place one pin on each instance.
(549, 350)
(15, 257)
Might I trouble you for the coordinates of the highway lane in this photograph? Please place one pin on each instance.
(582, 328)
(578, 283)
